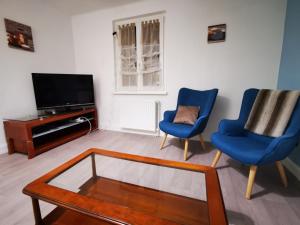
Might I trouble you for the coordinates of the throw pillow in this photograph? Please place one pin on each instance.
(186, 114)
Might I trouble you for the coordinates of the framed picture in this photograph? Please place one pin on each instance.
(19, 35)
(216, 33)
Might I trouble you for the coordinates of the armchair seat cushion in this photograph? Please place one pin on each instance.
(242, 148)
(176, 129)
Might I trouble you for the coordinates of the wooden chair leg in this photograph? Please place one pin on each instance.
(251, 179)
(163, 141)
(186, 146)
(202, 142)
(216, 159)
(282, 173)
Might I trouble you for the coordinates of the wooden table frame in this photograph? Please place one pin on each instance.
(117, 214)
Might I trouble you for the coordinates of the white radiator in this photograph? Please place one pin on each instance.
(140, 115)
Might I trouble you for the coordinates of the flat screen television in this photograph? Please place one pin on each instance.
(62, 90)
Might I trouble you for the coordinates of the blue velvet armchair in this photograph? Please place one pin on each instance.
(188, 97)
(252, 149)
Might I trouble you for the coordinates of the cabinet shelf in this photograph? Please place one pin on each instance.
(60, 140)
(67, 125)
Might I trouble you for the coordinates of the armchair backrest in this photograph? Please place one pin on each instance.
(247, 103)
(204, 99)
(293, 127)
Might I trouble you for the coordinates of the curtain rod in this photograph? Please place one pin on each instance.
(139, 16)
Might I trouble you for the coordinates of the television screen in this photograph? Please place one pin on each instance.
(62, 90)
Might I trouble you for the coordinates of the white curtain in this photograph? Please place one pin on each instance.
(128, 55)
(151, 53)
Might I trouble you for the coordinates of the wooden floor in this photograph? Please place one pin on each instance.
(272, 204)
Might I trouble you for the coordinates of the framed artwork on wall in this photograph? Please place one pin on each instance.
(216, 33)
(19, 35)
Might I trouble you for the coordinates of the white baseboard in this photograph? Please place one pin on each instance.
(133, 131)
(292, 167)
(3, 148)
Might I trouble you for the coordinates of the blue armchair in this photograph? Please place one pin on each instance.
(188, 97)
(252, 149)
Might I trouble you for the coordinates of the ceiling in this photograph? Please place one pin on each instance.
(73, 7)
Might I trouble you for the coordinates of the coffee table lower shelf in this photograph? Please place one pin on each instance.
(176, 208)
(60, 216)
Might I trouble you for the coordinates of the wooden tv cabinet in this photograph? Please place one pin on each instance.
(35, 136)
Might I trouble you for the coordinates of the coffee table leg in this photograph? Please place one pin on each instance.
(94, 166)
(37, 212)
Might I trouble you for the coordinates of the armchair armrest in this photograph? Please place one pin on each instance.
(231, 127)
(279, 148)
(201, 122)
(169, 116)
(199, 125)
(282, 141)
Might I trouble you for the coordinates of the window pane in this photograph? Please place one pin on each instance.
(129, 80)
(128, 65)
(151, 64)
(151, 79)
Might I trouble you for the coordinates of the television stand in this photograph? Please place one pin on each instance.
(37, 135)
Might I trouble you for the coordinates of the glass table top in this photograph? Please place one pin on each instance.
(177, 181)
(174, 194)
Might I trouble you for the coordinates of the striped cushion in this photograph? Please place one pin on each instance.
(271, 112)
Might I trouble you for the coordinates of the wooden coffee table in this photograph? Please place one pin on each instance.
(106, 187)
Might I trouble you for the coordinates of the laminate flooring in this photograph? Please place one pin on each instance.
(271, 203)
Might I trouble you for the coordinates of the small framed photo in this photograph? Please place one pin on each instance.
(216, 33)
(19, 35)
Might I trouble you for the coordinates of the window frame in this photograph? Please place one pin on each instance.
(139, 89)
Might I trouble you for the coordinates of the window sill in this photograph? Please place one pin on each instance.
(140, 93)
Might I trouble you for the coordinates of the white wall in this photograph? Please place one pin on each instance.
(249, 57)
(53, 42)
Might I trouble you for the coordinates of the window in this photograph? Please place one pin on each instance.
(139, 54)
